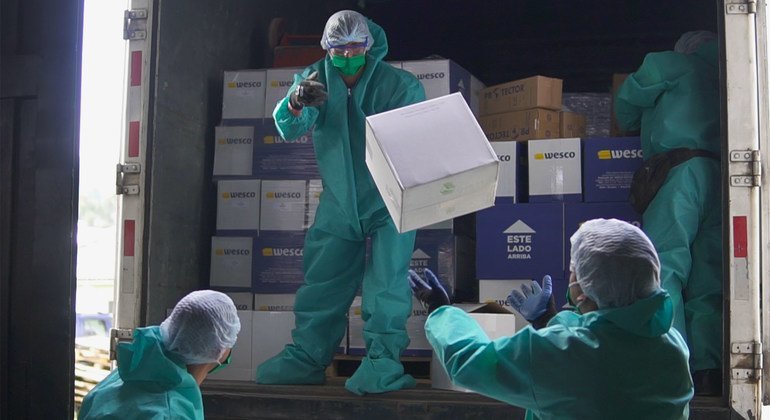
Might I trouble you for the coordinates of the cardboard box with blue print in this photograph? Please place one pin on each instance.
(517, 95)
(276, 158)
(431, 162)
(609, 164)
(519, 241)
(278, 262)
(577, 213)
(442, 77)
(554, 168)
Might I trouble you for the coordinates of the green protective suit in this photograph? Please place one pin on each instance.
(149, 383)
(620, 363)
(350, 210)
(674, 99)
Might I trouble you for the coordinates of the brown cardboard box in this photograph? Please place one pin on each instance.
(572, 124)
(617, 80)
(521, 125)
(532, 92)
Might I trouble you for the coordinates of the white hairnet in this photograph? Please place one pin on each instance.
(689, 42)
(614, 262)
(344, 27)
(201, 327)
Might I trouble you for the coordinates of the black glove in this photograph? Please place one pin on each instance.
(309, 92)
(431, 293)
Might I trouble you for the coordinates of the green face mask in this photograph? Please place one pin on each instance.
(223, 364)
(349, 65)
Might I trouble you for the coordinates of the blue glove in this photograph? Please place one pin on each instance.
(534, 300)
(431, 293)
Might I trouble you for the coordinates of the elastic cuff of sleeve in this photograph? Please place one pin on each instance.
(295, 112)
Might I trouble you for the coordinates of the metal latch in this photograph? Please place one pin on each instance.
(120, 186)
(131, 29)
(749, 366)
(741, 7)
(117, 336)
(754, 177)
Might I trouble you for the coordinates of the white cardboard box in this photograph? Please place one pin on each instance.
(494, 320)
(233, 150)
(283, 205)
(497, 291)
(241, 367)
(555, 170)
(243, 301)
(272, 331)
(243, 94)
(274, 302)
(238, 204)
(278, 82)
(231, 260)
(508, 153)
(431, 162)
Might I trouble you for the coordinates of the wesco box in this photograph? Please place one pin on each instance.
(278, 262)
(521, 125)
(233, 150)
(532, 92)
(554, 168)
(513, 159)
(431, 162)
(609, 164)
(277, 81)
(243, 95)
(238, 204)
(442, 77)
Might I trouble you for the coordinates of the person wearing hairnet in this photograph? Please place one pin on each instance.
(160, 371)
(674, 99)
(616, 356)
(334, 95)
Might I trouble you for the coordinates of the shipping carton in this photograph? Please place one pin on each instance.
(532, 92)
(451, 257)
(511, 170)
(617, 81)
(243, 94)
(572, 124)
(521, 125)
(431, 162)
(496, 322)
(276, 158)
(231, 261)
(609, 164)
(283, 205)
(554, 168)
(233, 150)
(271, 332)
(238, 205)
(278, 262)
(520, 241)
(442, 77)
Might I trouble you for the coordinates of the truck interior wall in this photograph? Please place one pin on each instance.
(195, 41)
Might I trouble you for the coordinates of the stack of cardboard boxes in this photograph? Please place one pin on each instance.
(549, 185)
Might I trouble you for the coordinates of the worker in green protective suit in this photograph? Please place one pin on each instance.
(160, 371)
(334, 95)
(617, 357)
(674, 99)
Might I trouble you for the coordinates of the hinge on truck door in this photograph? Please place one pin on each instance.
(741, 7)
(130, 29)
(754, 177)
(117, 336)
(747, 361)
(120, 186)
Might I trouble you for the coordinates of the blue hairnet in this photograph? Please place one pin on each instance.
(689, 42)
(614, 262)
(344, 27)
(201, 327)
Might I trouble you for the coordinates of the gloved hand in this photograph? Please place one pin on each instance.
(309, 92)
(534, 301)
(431, 293)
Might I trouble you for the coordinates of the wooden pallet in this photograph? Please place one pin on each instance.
(344, 365)
(92, 365)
